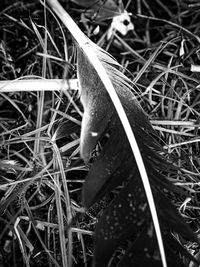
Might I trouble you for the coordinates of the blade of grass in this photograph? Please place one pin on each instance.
(37, 85)
(59, 165)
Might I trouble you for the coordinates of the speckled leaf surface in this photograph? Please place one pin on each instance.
(144, 252)
(125, 216)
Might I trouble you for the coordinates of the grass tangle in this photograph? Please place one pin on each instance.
(41, 172)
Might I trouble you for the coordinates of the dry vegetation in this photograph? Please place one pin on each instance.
(41, 176)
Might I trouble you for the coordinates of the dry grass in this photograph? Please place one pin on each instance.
(41, 176)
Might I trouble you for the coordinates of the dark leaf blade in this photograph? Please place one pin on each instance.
(124, 217)
(143, 252)
(108, 171)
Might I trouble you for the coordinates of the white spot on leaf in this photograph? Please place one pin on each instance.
(94, 134)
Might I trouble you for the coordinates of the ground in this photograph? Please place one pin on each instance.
(160, 54)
